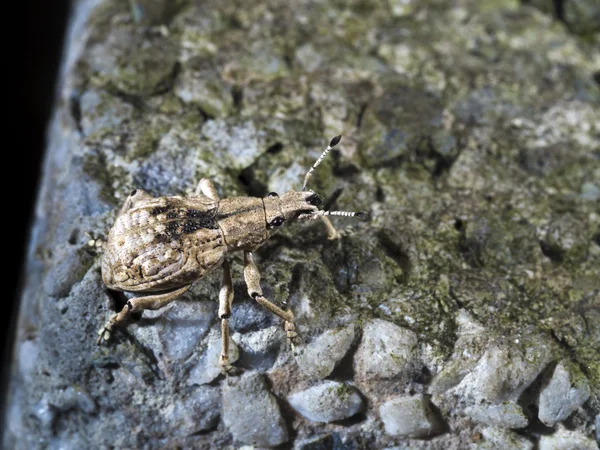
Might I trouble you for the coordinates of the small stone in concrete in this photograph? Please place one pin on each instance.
(259, 349)
(504, 372)
(209, 366)
(198, 411)
(327, 402)
(251, 412)
(505, 415)
(498, 438)
(319, 358)
(563, 439)
(566, 391)
(386, 350)
(184, 326)
(407, 416)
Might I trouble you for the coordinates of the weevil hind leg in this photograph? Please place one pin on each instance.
(225, 301)
(252, 278)
(136, 304)
(206, 187)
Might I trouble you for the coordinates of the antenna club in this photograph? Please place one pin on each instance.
(362, 215)
(335, 141)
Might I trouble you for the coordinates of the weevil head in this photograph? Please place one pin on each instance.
(281, 209)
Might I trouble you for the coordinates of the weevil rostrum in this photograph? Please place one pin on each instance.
(158, 247)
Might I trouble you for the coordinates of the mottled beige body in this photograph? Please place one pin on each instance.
(160, 246)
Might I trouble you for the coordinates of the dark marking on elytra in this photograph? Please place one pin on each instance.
(186, 221)
(158, 210)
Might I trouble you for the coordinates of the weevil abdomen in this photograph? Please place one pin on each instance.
(163, 244)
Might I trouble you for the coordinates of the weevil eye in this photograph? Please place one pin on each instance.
(273, 194)
(314, 200)
(133, 193)
(276, 222)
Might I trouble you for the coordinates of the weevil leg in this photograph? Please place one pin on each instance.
(206, 187)
(332, 233)
(225, 301)
(156, 301)
(252, 278)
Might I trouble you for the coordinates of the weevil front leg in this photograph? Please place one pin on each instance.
(332, 233)
(138, 304)
(252, 278)
(225, 301)
(206, 187)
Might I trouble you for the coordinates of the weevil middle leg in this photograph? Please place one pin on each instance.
(225, 301)
(252, 278)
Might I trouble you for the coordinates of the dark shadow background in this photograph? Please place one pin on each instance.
(38, 51)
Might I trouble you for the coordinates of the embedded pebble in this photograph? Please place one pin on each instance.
(499, 438)
(505, 415)
(203, 87)
(467, 351)
(184, 326)
(566, 239)
(74, 398)
(385, 351)
(566, 391)
(503, 373)
(45, 413)
(27, 356)
(563, 439)
(259, 350)
(251, 412)
(199, 411)
(319, 358)
(407, 416)
(209, 365)
(327, 402)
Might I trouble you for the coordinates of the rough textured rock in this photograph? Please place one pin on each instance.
(470, 134)
(327, 402)
(198, 411)
(318, 358)
(566, 440)
(494, 438)
(251, 412)
(566, 391)
(504, 415)
(386, 350)
(209, 365)
(408, 416)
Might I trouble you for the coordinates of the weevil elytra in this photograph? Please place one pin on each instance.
(160, 246)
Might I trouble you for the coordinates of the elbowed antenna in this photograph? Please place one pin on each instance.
(332, 144)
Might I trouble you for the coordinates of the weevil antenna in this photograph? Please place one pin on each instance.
(361, 215)
(332, 144)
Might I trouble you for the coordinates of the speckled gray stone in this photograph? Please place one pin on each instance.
(386, 350)
(564, 439)
(251, 413)
(327, 401)
(198, 410)
(208, 366)
(505, 371)
(566, 391)
(407, 416)
(504, 415)
(499, 438)
(318, 358)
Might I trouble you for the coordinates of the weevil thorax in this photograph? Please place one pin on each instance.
(248, 222)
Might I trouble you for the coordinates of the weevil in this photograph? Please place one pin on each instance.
(159, 246)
